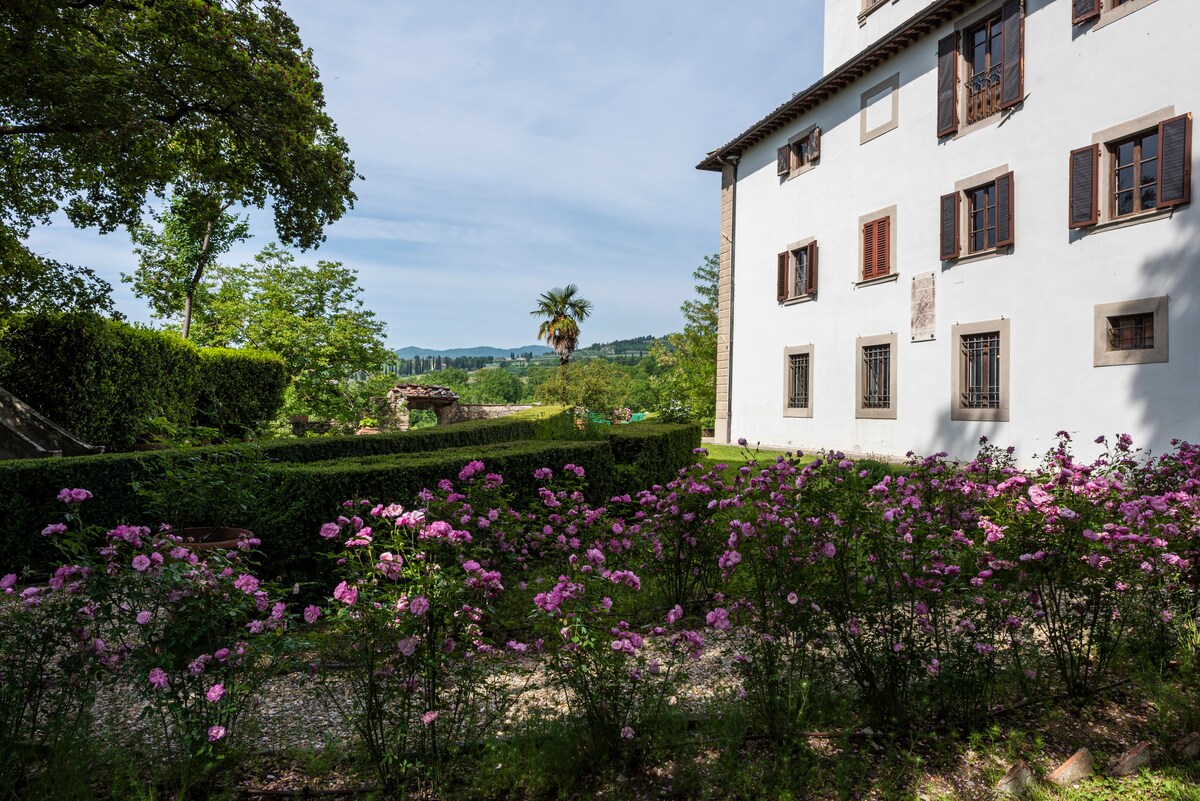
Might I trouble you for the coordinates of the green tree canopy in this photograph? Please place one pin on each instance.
(561, 311)
(194, 229)
(687, 383)
(105, 104)
(314, 317)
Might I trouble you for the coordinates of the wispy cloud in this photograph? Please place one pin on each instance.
(511, 147)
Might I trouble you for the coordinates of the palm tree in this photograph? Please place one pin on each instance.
(561, 310)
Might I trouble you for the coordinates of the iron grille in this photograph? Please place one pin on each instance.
(877, 376)
(798, 381)
(981, 371)
(1131, 332)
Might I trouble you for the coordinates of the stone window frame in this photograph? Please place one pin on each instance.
(1102, 356)
(1105, 139)
(860, 411)
(791, 276)
(864, 101)
(795, 167)
(1110, 13)
(963, 188)
(792, 411)
(1001, 413)
(869, 7)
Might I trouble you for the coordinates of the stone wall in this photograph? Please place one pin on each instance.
(461, 412)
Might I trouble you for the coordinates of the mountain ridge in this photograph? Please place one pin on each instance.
(480, 350)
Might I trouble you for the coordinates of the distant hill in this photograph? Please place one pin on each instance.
(483, 350)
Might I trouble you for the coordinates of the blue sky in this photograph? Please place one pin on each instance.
(511, 147)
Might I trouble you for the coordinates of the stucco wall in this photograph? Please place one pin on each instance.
(848, 30)
(1078, 81)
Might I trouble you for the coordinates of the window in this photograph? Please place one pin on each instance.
(978, 216)
(800, 154)
(987, 52)
(877, 246)
(797, 390)
(983, 55)
(1131, 332)
(980, 371)
(1105, 11)
(1134, 179)
(796, 272)
(875, 383)
(1132, 170)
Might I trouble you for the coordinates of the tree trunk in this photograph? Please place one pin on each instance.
(201, 263)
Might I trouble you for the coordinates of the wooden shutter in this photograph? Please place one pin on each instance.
(950, 238)
(1175, 161)
(947, 91)
(882, 243)
(868, 267)
(781, 278)
(782, 160)
(810, 284)
(1005, 191)
(1083, 10)
(814, 145)
(1085, 173)
(1012, 82)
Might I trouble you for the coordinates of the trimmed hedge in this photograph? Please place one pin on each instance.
(239, 389)
(389, 466)
(99, 379)
(307, 495)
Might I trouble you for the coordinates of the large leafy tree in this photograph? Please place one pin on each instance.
(687, 381)
(106, 104)
(312, 316)
(172, 257)
(561, 311)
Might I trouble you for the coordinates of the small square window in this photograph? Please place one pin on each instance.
(800, 154)
(1131, 332)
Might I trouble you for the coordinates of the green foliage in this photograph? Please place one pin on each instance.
(688, 384)
(595, 385)
(239, 389)
(32, 284)
(497, 385)
(193, 231)
(652, 453)
(100, 380)
(561, 311)
(107, 104)
(313, 317)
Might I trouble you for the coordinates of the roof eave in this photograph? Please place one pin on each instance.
(907, 33)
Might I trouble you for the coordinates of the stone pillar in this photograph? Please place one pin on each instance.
(725, 303)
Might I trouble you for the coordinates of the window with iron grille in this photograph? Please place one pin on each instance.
(1131, 332)
(980, 381)
(798, 385)
(877, 376)
(982, 46)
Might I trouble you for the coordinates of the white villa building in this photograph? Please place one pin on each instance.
(977, 222)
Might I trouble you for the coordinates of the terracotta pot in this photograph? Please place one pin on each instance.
(208, 538)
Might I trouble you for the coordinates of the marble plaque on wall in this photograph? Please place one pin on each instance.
(924, 312)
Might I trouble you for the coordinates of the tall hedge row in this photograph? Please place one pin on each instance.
(239, 389)
(104, 380)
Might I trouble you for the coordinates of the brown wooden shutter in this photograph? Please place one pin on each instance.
(950, 238)
(1175, 161)
(814, 145)
(781, 278)
(1083, 10)
(883, 237)
(1005, 205)
(947, 91)
(1012, 81)
(1084, 186)
(868, 268)
(782, 160)
(810, 285)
